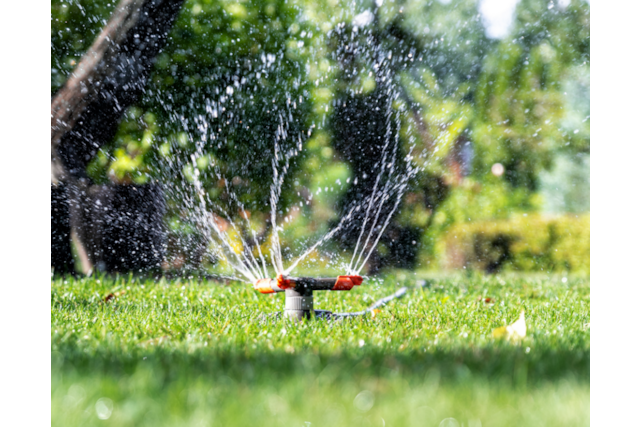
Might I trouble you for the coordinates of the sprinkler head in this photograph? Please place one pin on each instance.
(299, 291)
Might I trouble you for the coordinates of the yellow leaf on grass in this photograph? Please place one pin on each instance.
(515, 331)
(500, 332)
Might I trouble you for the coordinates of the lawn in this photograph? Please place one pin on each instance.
(193, 353)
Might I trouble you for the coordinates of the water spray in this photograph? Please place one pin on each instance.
(299, 292)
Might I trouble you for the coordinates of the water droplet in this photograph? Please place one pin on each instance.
(104, 408)
(364, 401)
(449, 422)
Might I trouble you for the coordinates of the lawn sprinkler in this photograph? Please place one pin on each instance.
(298, 302)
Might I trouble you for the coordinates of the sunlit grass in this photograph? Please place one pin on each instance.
(190, 353)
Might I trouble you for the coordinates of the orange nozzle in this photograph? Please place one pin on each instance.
(283, 283)
(345, 283)
(357, 280)
(263, 286)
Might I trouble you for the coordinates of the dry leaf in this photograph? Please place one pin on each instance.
(515, 331)
(375, 312)
(113, 296)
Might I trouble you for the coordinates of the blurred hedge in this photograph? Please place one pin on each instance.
(522, 243)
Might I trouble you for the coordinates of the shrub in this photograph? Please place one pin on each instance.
(526, 242)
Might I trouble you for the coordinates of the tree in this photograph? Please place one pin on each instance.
(520, 102)
(85, 113)
(235, 77)
(396, 78)
(230, 82)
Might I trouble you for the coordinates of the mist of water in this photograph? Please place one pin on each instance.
(371, 215)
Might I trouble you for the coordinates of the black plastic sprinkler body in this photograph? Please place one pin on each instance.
(299, 292)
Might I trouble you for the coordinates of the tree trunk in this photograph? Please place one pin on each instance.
(61, 259)
(82, 87)
(85, 112)
(121, 226)
(109, 78)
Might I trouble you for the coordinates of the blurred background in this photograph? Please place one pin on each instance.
(492, 103)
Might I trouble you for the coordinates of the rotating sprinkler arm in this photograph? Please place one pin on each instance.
(299, 291)
(301, 284)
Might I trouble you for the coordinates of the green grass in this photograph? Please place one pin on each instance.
(182, 353)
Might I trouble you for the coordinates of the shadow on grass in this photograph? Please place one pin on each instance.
(502, 363)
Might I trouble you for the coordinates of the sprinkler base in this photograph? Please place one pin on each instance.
(298, 304)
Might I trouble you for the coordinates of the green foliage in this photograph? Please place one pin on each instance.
(566, 29)
(230, 77)
(565, 188)
(524, 242)
(233, 72)
(75, 24)
(522, 108)
(452, 40)
(132, 158)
